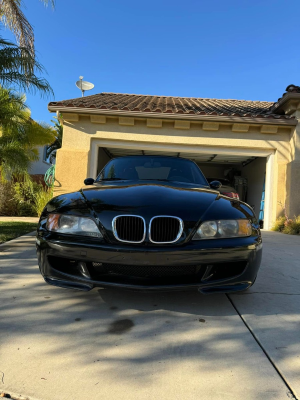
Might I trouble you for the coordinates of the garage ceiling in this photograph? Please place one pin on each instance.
(197, 157)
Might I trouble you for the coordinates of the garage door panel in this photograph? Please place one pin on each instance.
(197, 157)
(225, 159)
(159, 153)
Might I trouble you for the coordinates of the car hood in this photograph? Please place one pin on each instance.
(104, 202)
(150, 200)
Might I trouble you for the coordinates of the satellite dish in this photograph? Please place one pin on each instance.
(84, 85)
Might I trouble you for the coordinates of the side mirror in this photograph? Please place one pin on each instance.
(89, 181)
(215, 185)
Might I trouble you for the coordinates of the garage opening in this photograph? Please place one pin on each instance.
(244, 175)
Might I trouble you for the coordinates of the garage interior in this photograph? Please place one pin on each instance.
(245, 173)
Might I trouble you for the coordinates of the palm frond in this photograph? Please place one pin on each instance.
(15, 57)
(33, 155)
(54, 146)
(18, 67)
(13, 17)
(20, 135)
(38, 134)
(32, 84)
(51, 149)
(13, 159)
(46, 2)
(13, 109)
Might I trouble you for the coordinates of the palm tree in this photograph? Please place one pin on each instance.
(12, 109)
(13, 17)
(18, 66)
(54, 146)
(20, 135)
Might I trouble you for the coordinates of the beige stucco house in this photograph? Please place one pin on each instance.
(258, 140)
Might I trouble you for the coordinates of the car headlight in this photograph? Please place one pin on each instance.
(72, 225)
(227, 228)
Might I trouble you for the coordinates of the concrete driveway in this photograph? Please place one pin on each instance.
(113, 344)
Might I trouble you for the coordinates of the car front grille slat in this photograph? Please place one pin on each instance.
(129, 228)
(165, 229)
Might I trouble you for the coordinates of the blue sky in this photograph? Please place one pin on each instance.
(218, 49)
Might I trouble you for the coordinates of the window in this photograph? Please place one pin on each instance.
(45, 158)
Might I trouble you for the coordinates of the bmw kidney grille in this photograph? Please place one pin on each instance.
(165, 229)
(129, 228)
(162, 229)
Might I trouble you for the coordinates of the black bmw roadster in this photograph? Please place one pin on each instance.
(150, 223)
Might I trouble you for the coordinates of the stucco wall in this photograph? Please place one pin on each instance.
(78, 158)
(292, 201)
(71, 170)
(78, 135)
(293, 189)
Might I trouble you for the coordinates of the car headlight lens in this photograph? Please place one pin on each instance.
(72, 225)
(208, 229)
(227, 228)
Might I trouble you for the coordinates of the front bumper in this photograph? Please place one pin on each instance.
(225, 265)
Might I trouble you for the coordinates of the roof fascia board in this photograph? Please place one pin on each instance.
(285, 99)
(195, 117)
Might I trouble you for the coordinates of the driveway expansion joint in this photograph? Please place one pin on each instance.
(290, 393)
(286, 294)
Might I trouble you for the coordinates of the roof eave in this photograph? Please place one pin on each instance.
(281, 103)
(268, 120)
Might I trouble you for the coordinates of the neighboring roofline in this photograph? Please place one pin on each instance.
(267, 120)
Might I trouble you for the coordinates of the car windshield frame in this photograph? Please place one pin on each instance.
(140, 168)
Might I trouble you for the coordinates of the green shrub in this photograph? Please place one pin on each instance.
(8, 205)
(41, 199)
(292, 226)
(25, 199)
(279, 224)
(288, 226)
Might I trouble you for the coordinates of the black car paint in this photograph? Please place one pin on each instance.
(192, 203)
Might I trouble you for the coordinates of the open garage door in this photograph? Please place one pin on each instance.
(244, 173)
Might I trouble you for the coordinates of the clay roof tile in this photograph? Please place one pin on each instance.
(175, 105)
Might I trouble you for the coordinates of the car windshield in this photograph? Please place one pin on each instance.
(171, 169)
